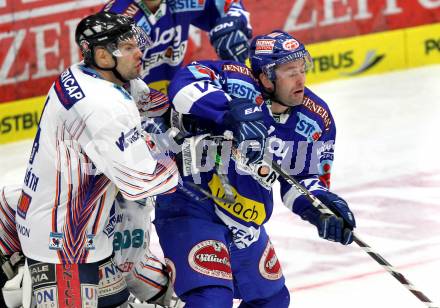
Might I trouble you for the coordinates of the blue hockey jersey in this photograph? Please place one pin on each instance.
(301, 141)
(169, 27)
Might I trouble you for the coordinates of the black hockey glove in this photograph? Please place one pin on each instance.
(245, 119)
(338, 227)
(230, 37)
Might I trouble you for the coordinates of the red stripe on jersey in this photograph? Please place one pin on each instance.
(69, 287)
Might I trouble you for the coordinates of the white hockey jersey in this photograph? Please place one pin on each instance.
(87, 147)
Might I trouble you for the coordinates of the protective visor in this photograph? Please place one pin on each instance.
(129, 41)
(304, 55)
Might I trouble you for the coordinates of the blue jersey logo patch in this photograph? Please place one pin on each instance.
(125, 139)
(308, 128)
(242, 89)
(68, 90)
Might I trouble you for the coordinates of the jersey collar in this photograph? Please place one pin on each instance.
(152, 18)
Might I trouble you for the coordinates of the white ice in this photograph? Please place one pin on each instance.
(386, 167)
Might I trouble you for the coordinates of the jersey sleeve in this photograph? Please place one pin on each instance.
(196, 90)
(317, 182)
(112, 140)
(325, 154)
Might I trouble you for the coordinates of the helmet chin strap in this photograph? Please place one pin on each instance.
(272, 95)
(113, 69)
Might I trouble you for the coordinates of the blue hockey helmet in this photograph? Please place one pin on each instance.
(278, 47)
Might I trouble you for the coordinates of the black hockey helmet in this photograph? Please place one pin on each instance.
(107, 30)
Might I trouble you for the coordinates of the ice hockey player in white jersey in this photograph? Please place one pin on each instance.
(88, 146)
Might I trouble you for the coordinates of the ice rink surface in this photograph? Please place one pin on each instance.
(387, 168)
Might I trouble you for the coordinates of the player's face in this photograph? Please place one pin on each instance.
(129, 63)
(290, 82)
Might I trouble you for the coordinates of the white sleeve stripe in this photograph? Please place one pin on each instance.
(290, 196)
(188, 95)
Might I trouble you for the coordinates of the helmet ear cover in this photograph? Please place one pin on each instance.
(269, 51)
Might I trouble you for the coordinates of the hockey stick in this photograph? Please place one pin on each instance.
(377, 257)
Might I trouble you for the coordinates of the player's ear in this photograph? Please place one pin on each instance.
(266, 82)
(103, 57)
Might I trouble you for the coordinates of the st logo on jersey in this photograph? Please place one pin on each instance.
(68, 90)
(308, 128)
(177, 6)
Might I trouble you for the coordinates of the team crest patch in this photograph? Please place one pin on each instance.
(23, 205)
(90, 244)
(269, 265)
(290, 44)
(211, 258)
(171, 269)
(56, 241)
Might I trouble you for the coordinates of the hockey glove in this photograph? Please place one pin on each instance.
(230, 37)
(159, 137)
(245, 119)
(338, 227)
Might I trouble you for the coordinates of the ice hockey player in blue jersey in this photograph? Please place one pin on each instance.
(168, 23)
(217, 251)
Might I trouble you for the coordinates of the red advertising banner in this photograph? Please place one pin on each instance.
(314, 21)
(37, 42)
(37, 36)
